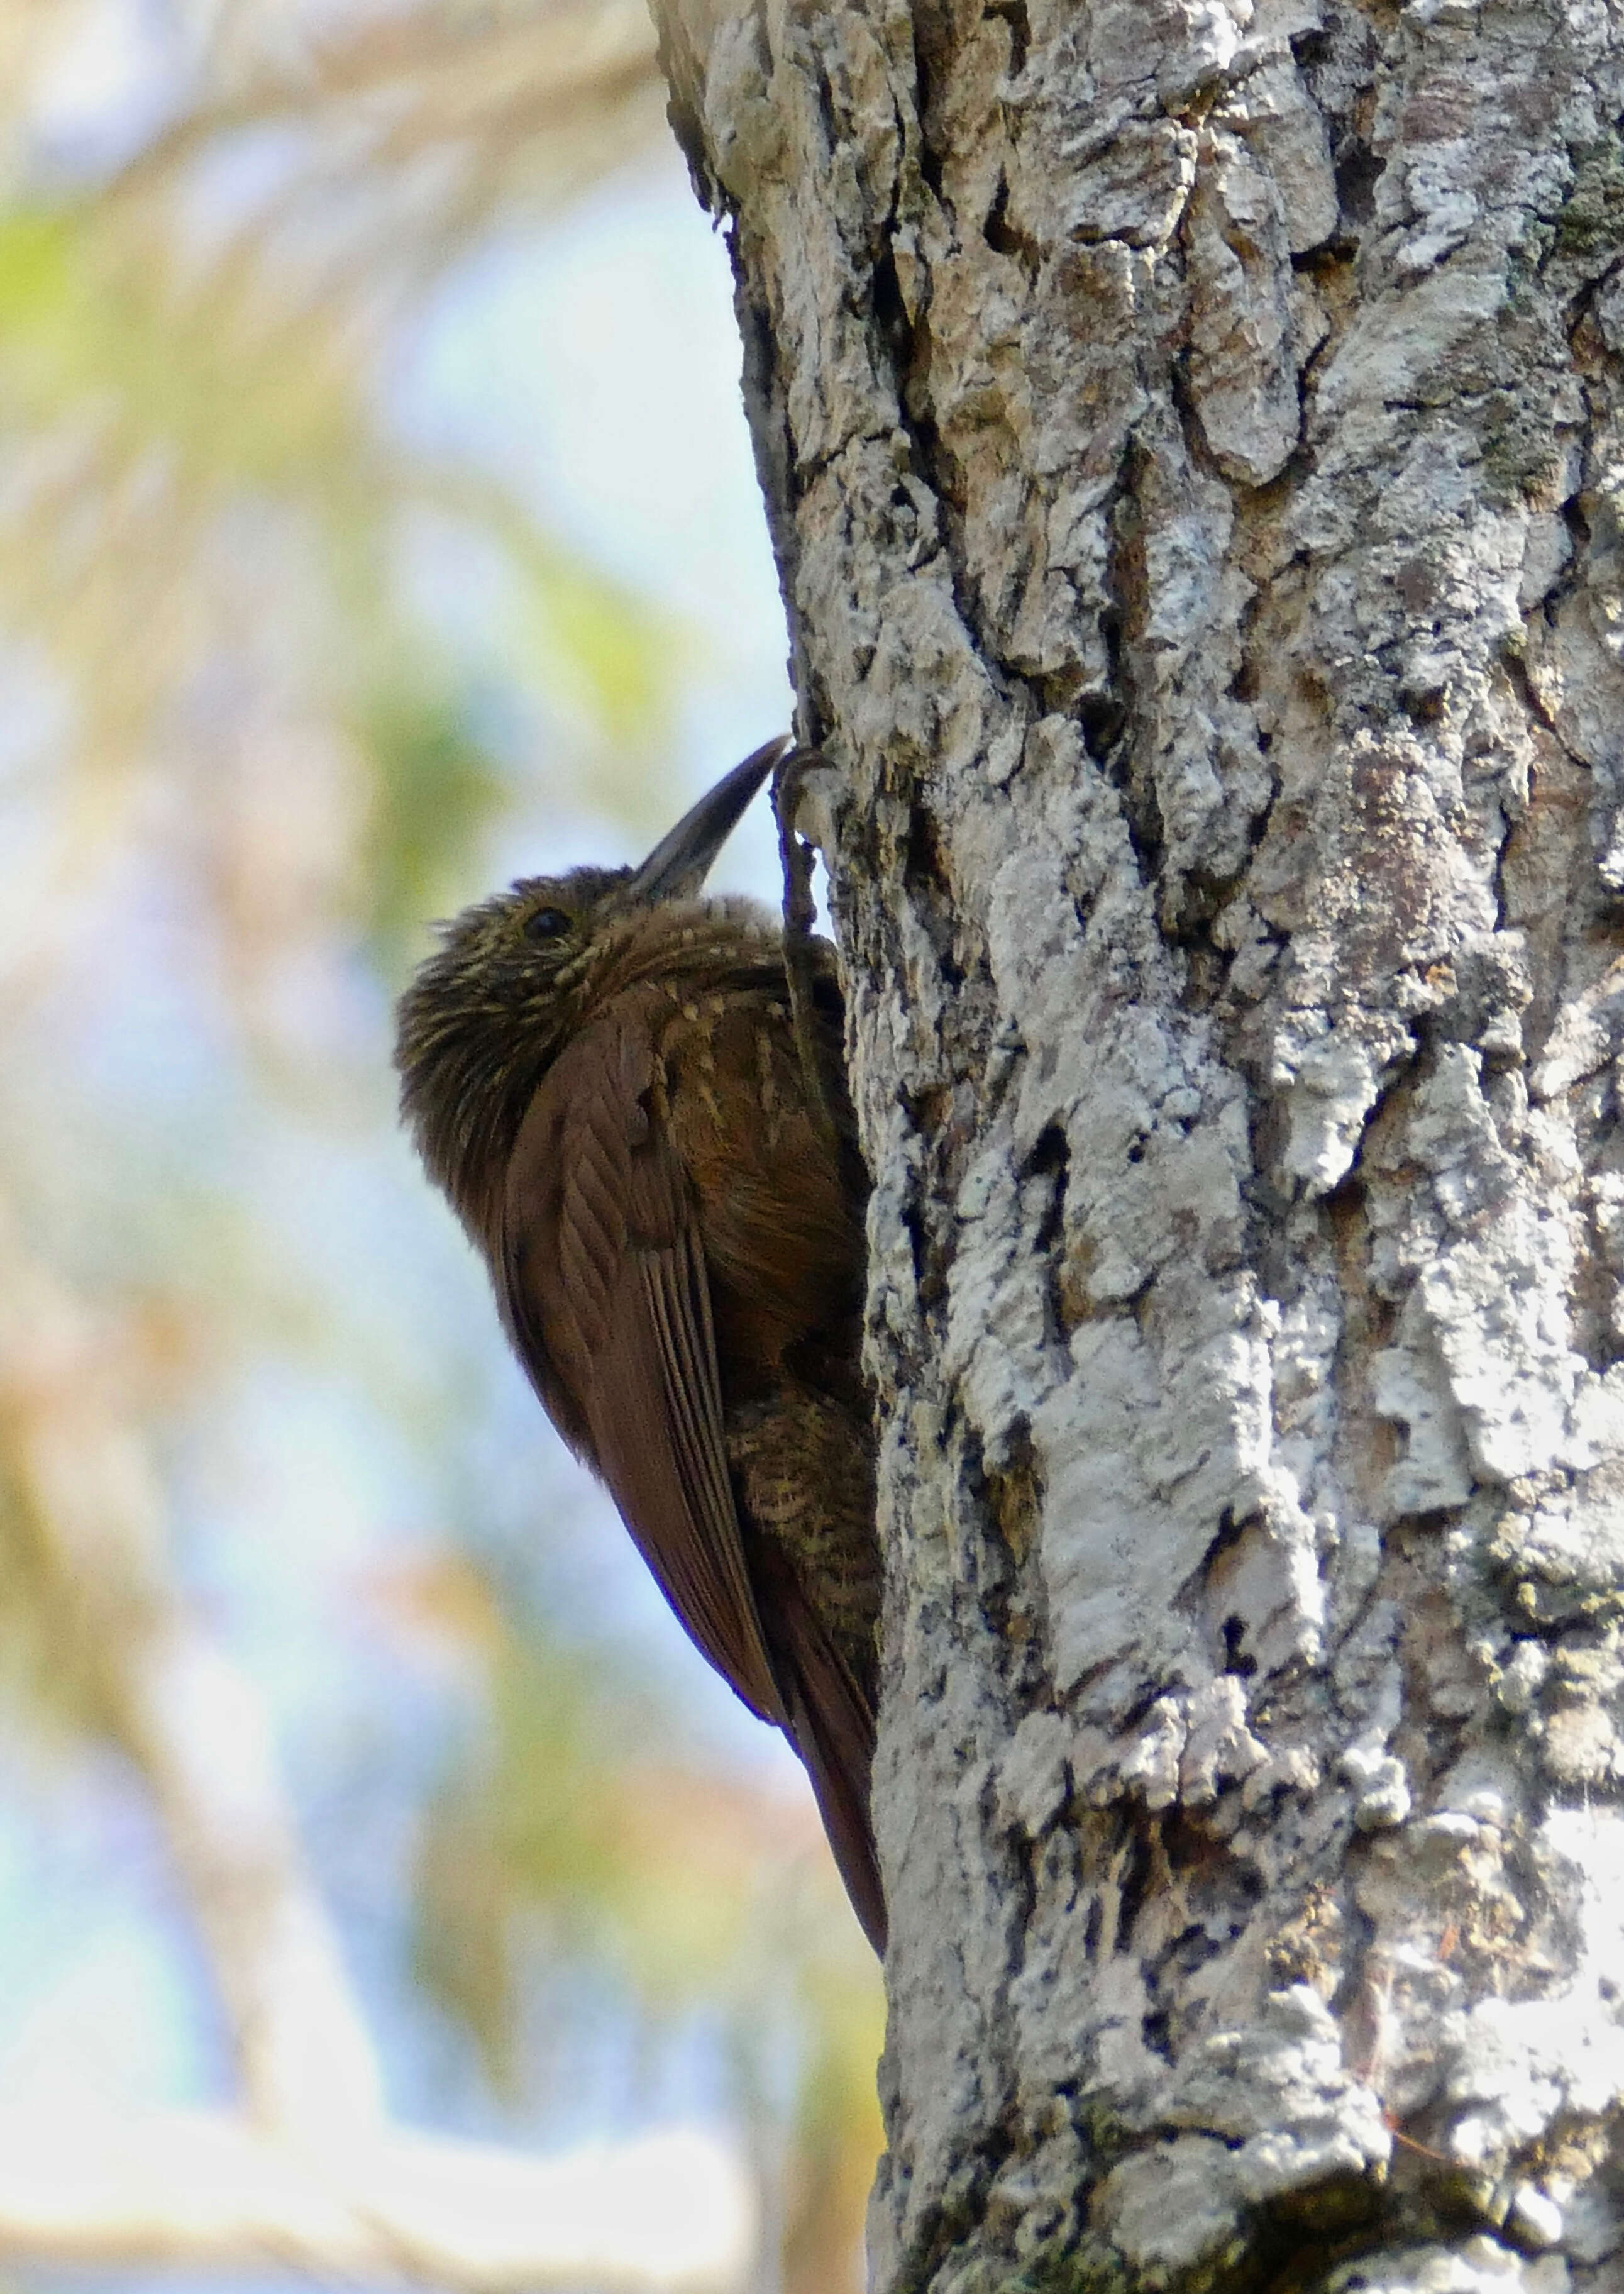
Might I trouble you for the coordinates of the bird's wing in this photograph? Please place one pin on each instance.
(602, 1277)
(830, 1722)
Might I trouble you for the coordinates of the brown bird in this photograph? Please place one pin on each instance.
(602, 1072)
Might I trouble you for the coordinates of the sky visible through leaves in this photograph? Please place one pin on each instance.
(376, 521)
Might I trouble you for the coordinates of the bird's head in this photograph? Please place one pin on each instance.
(513, 978)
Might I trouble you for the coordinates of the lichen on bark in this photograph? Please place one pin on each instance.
(1194, 444)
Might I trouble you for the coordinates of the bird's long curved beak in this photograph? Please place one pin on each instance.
(681, 862)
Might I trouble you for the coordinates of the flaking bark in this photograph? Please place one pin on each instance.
(1193, 439)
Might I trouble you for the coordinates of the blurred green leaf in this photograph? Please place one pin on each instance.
(436, 788)
(203, 523)
(572, 1823)
(590, 637)
(237, 382)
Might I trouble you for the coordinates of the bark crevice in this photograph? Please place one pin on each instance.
(1195, 443)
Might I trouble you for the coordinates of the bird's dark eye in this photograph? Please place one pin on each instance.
(547, 923)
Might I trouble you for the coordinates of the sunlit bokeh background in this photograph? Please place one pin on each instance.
(376, 521)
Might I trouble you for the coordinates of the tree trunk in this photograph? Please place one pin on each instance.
(1193, 440)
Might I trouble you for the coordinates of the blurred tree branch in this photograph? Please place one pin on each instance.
(525, 103)
(313, 2173)
(669, 2215)
(265, 750)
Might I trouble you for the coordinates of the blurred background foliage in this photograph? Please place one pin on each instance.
(311, 626)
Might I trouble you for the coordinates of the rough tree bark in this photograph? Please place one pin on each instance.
(1193, 437)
